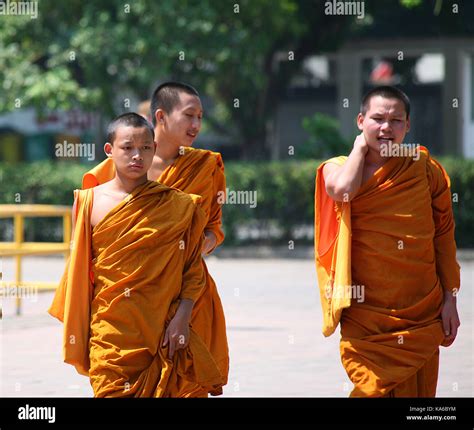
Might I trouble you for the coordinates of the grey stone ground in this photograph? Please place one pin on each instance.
(273, 321)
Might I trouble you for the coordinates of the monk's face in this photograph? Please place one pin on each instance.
(132, 151)
(385, 122)
(182, 125)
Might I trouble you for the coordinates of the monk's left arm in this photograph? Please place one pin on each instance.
(447, 266)
(445, 248)
(213, 230)
(194, 277)
(193, 282)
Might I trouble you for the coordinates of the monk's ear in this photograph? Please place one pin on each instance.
(360, 122)
(408, 124)
(159, 116)
(108, 149)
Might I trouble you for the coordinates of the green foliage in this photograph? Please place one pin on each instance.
(411, 3)
(285, 198)
(284, 192)
(41, 182)
(325, 138)
(420, 18)
(461, 173)
(98, 54)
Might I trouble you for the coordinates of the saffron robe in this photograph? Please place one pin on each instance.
(395, 242)
(122, 286)
(200, 172)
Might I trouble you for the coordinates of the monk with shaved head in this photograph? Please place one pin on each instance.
(386, 255)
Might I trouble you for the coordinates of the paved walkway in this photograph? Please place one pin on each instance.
(273, 319)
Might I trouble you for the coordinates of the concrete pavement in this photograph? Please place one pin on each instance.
(274, 329)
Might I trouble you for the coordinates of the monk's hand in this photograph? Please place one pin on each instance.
(450, 318)
(361, 144)
(209, 242)
(177, 332)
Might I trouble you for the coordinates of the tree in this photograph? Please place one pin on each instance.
(101, 55)
(86, 53)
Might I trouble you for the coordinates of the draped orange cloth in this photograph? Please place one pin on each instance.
(122, 286)
(200, 172)
(332, 242)
(399, 240)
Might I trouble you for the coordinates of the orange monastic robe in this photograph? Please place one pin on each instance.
(200, 172)
(122, 286)
(383, 261)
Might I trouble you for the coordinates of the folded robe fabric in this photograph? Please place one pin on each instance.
(143, 257)
(200, 172)
(332, 239)
(402, 256)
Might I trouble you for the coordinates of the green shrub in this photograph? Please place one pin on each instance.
(325, 138)
(41, 182)
(285, 198)
(461, 172)
(285, 193)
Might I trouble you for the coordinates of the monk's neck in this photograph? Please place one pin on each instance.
(374, 159)
(127, 185)
(166, 152)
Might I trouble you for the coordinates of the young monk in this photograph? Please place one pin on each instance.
(177, 114)
(386, 255)
(133, 277)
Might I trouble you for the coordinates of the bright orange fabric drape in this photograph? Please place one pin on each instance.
(332, 233)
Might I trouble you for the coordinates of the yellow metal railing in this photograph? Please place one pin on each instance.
(18, 248)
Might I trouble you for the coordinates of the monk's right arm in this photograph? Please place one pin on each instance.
(343, 182)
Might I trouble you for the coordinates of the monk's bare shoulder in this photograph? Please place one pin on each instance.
(329, 168)
(100, 189)
(333, 164)
(105, 199)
